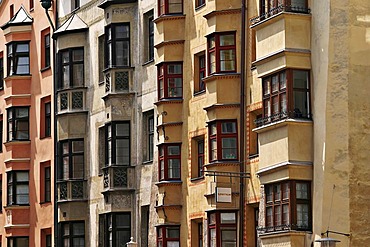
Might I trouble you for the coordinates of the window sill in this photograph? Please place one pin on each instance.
(71, 112)
(45, 69)
(169, 101)
(45, 203)
(197, 179)
(148, 62)
(168, 182)
(197, 8)
(222, 162)
(59, 90)
(113, 67)
(115, 189)
(275, 234)
(72, 200)
(169, 17)
(20, 77)
(17, 206)
(281, 123)
(199, 92)
(253, 156)
(148, 162)
(17, 142)
(45, 137)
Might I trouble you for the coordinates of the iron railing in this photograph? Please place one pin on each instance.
(279, 9)
(295, 114)
(283, 227)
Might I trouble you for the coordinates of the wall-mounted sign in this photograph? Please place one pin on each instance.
(223, 194)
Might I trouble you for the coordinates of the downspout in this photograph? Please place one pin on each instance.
(242, 124)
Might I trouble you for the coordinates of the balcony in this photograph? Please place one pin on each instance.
(295, 114)
(118, 178)
(71, 190)
(118, 81)
(288, 234)
(71, 100)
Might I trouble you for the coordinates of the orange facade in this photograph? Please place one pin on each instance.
(26, 158)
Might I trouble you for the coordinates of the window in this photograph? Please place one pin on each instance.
(286, 94)
(117, 38)
(197, 149)
(31, 4)
(101, 41)
(72, 234)
(75, 4)
(149, 34)
(200, 3)
(170, 162)
(200, 72)
(1, 133)
(288, 206)
(118, 143)
(45, 120)
(148, 118)
(48, 240)
(18, 123)
(144, 225)
(11, 11)
(72, 66)
(1, 71)
(222, 229)
(46, 237)
(168, 236)
(221, 53)
(18, 58)
(254, 117)
(197, 232)
(115, 229)
(1, 195)
(47, 184)
(168, 7)
(223, 140)
(170, 80)
(72, 159)
(18, 190)
(18, 242)
(45, 48)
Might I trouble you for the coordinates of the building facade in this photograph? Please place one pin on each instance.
(26, 108)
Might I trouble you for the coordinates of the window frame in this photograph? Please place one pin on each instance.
(215, 224)
(46, 49)
(164, 7)
(1, 133)
(47, 107)
(278, 200)
(113, 140)
(47, 183)
(150, 136)
(162, 235)
(164, 77)
(70, 63)
(214, 46)
(218, 136)
(70, 155)
(13, 57)
(12, 185)
(200, 157)
(75, 4)
(112, 42)
(199, 3)
(150, 37)
(15, 244)
(71, 236)
(164, 157)
(14, 121)
(1, 70)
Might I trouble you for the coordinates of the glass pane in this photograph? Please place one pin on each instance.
(23, 65)
(66, 76)
(228, 127)
(172, 232)
(300, 104)
(300, 79)
(213, 129)
(77, 146)
(228, 238)
(302, 190)
(174, 69)
(122, 53)
(277, 192)
(228, 218)
(122, 152)
(283, 103)
(22, 176)
(123, 220)
(282, 80)
(175, 87)
(78, 229)
(277, 215)
(66, 230)
(302, 215)
(212, 62)
(211, 42)
(227, 60)
(269, 217)
(122, 31)
(78, 242)
(213, 149)
(274, 83)
(122, 129)
(173, 150)
(285, 214)
(212, 219)
(78, 55)
(122, 237)
(161, 88)
(226, 40)
(78, 75)
(173, 168)
(213, 239)
(175, 6)
(298, 5)
(78, 166)
(229, 150)
(173, 244)
(22, 48)
(268, 191)
(266, 87)
(65, 167)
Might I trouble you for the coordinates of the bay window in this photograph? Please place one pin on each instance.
(117, 143)
(288, 206)
(71, 64)
(223, 140)
(18, 58)
(222, 53)
(168, 7)
(18, 123)
(169, 80)
(222, 229)
(272, 7)
(18, 188)
(72, 159)
(169, 162)
(286, 94)
(168, 236)
(117, 38)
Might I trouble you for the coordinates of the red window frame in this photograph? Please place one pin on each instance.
(215, 224)
(164, 162)
(200, 157)
(162, 235)
(281, 204)
(202, 72)
(164, 7)
(216, 137)
(167, 76)
(216, 47)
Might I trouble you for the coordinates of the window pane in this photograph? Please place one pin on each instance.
(269, 217)
(213, 240)
(302, 215)
(173, 168)
(277, 215)
(123, 220)
(78, 55)
(174, 69)
(78, 229)
(229, 149)
(274, 83)
(175, 6)
(173, 232)
(78, 242)
(78, 166)
(122, 129)
(22, 176)
(300, 104)
(173, 244)
(23, 66)
(122, 237)
(213, 149)
(122, 31)
(300, 79)
(77, 146)
(277, 192)
(175, 87)
(266, 86)
(122, 53)
(226, 40)
(282, 80)
(228, 218)
(302, 191)
(285, 214)
(22, 48)
(66, 76)
(173, 150)
(213, 129)
(22, 193)
(227, 60)
(212, 62)
(228, 127)
(228, 238)
(122, 152)
(283, 103)
(78, 75)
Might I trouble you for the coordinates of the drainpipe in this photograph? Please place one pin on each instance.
(242, 124)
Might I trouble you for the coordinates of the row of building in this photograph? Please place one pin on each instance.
(184, 123)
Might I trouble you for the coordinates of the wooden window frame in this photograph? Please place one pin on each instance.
(200, 157)
(150, 37)
(199, 3)
(47, 184)
(70, 236)
(216, 225)
(113, 140)
(162, 236)
(111, 44)
(278, 200)
(70, 64)
(213, 44)
(1, 70)
(13, 57)
(163, 164)
(218, 136)
(12, 184)
(164, 7)
(165, 86)
(70, 154)
(13, 121)
(45, 49)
